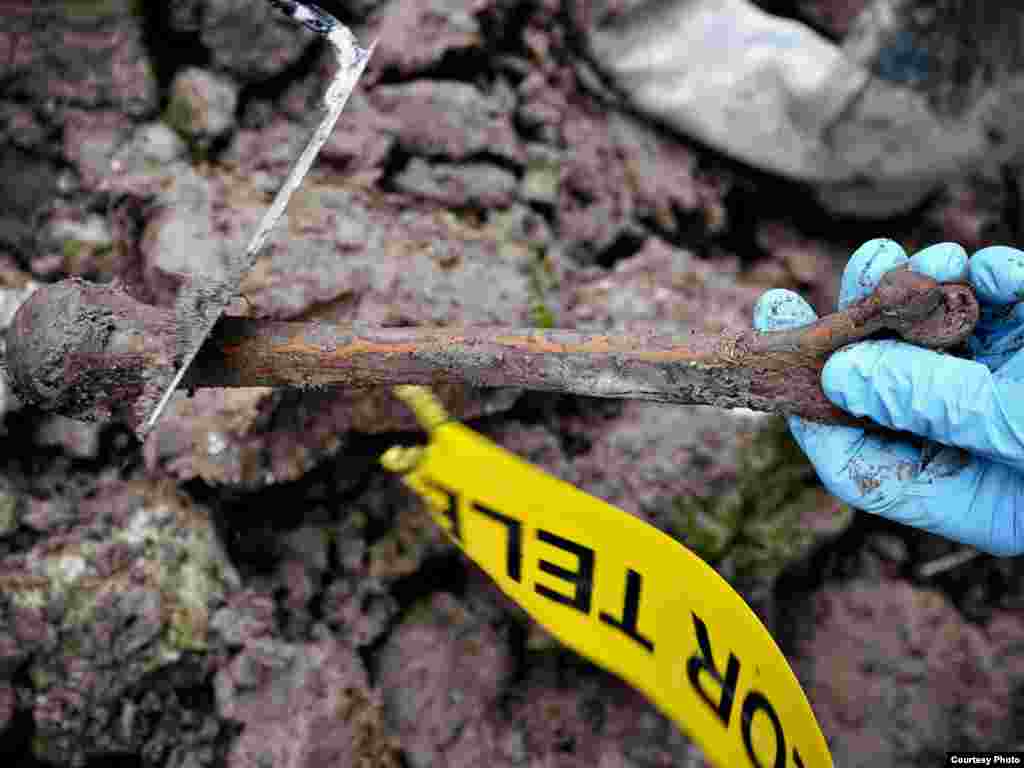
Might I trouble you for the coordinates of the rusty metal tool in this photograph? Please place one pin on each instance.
(88, 350)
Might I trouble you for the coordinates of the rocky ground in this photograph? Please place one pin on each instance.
(249, 588)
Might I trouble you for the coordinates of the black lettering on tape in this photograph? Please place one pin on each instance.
(513, 539)
(630, 611)
(451, 510)
(797, 759)
(753, 702)
(705, 660)
(582, 579)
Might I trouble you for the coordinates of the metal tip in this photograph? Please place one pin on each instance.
(310, 16)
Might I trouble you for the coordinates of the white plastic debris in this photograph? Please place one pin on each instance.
(774, 93)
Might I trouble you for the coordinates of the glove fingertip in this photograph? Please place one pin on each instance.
(866, 267)
(945, 262)
(779, 309)
(997, 274)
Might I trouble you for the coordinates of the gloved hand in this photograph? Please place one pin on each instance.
(966, 481)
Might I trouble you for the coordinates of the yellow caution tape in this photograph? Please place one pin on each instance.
(618, 591)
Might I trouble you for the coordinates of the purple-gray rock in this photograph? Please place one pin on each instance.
(443, 118)
(441, 671)
(48, 515)
(809, 266)
(28, 182)
(303, 706)
(970, 211)
(83, 55)
(460, 185)
(579, 718)
(91, 136)
(193, 227)
(376, 259)
(451, 697)
(264, 157)
(122, 591)
(20, 126)
(150, 144)
(75, 75)
(622, 172)
(81, 242)
(202, 105)
(359, 608)
(415, 34)
(8, 699)
(80, 439)
(896, 674)
(362, 140)
(541, 108)
(273, 133)
(251, 41)
(247, 616)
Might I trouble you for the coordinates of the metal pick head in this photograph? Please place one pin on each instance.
(309, 15)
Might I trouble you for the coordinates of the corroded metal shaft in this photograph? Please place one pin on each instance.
(89, 351)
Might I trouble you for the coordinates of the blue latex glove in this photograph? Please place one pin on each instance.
(966, 481)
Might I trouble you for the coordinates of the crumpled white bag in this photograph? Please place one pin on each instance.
(774, 93)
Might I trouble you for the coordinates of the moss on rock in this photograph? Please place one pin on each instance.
(771, 517)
